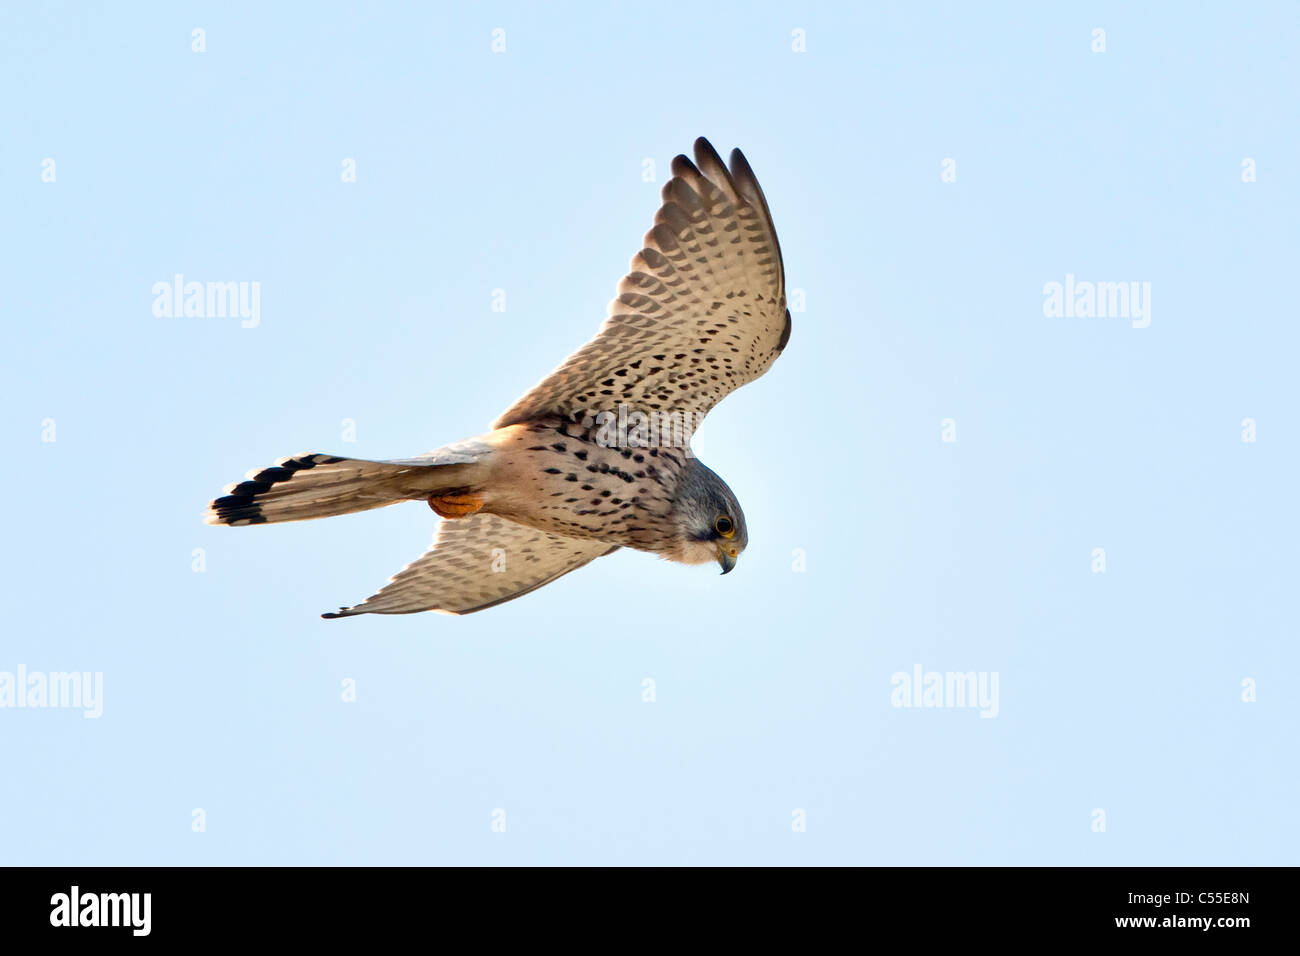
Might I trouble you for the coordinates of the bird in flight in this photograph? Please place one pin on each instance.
(597, 456)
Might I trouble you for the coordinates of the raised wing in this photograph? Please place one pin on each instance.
(700, 313)
(476, 563)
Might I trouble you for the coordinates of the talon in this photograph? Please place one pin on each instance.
(455, 506)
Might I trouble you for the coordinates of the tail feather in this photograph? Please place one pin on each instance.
(320, 486)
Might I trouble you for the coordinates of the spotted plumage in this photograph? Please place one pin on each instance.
(597, 455)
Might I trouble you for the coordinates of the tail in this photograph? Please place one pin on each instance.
(320, 486)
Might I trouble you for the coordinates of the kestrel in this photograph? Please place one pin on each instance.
(597, 456)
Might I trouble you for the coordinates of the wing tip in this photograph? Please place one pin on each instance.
(357, 610)
(683, 167)
(706, 155)
(743, 175)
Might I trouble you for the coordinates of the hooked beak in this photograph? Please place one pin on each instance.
(727, 556)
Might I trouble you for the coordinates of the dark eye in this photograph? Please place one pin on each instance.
(724, 526)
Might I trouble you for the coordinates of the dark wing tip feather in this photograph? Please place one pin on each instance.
(714, 169)
(747, 183)
(682, 166)
(743, 175)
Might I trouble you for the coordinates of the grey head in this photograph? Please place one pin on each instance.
(710, 524)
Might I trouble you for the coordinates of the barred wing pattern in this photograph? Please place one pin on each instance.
(700, 313)
(476, 563)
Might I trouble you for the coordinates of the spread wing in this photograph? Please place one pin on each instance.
(700, 313)
(475, 563)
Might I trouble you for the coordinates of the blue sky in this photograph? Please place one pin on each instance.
(1118, 691)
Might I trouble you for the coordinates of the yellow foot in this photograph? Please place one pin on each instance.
(455, 506)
